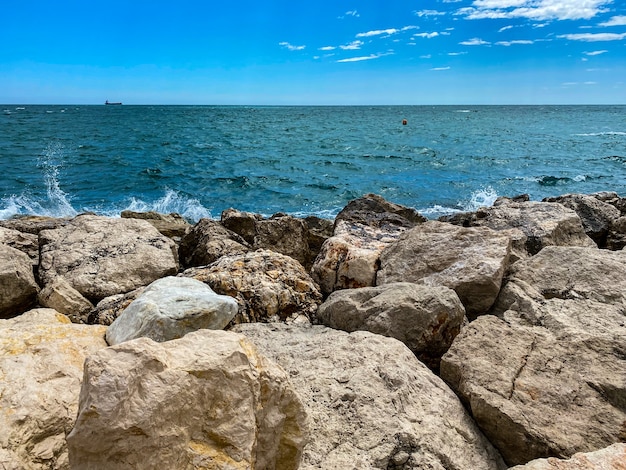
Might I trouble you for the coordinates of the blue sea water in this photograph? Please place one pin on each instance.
(200, 160)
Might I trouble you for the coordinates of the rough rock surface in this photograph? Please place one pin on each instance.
(207, 400)
(18, 289)
(26, 242)
(425, 318)
(616, 238)
(371, 403)
(596, 216)
(532, 225)
(101, 256)
(284, 234)
(268, 286)
(471, 261)
(611, 458)
(109, 308)
(41, 370)
(171, 225)
(62, 297)
(375, 211)
(242, 223)
(319, 231)
(207, 242)
(34, 224)
(169, 308)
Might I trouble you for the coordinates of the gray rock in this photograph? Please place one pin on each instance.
(242, 223)
(41, 370)
(207, 242)
(62, 297)
(18, 289)
(371, 403)
(34, 224)
(374, 211)
(284, 234)
(616, 238)
(26, 242)
(109, 308)
(169, 308)
(425, 318)
(208, 400)
(471, 261)
(171, 225)
(100, 256)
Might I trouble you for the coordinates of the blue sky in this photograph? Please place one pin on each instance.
(323, 52)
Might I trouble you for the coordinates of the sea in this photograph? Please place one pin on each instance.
(302, 160)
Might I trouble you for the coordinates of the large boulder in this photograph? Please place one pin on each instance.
(26, 242)
(169, 308)
(371, 403)
(425, 318)
(269, 287)
(34, 224)
(532, 225)
(595, 215)
(363, 229)
(18, 289)
(611, 458)
(208, 400)
(41, 370)
(470, 260)
(62, 297)
(207, 242)
(171, 225)
(102, 256)
(284, 234)
(242, 223)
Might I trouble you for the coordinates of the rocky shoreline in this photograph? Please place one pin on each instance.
(380, 340)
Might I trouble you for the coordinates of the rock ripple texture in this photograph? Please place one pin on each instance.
(169, 308)
(41, 370)
(205, 401)
(101, 256)
(371, 403)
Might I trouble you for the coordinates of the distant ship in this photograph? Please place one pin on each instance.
(108, 103)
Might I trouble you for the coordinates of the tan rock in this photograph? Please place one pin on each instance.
(171, 225)
(41, 370)
(208, 400)
(18, 289)
(284, 234)
(109, 308)
(611, 458)
(371, 403)
(62, 297)
(207, 242)
(469, 260)
(101, 256)
(26, 242)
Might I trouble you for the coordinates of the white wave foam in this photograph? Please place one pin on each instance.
(191, 209)
(597, 134)
(483, 197)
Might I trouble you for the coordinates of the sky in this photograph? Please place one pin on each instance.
(324, 52)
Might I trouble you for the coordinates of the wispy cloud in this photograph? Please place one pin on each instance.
(592, 53)
(434, 34)
(422, 13)
(290, 47)
(350, 13)
(514, 42)
(454, 54)
(534, 9)
(474, 42)
(438, 69)
(504, 28)
(353, 46)
(615, 21)
(327, 48)
(593, 37)
(366, 57)
(386, 32)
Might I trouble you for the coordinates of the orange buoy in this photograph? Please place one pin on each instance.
(404, 122)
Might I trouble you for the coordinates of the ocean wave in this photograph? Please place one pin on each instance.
(190, 208)
(600, 134)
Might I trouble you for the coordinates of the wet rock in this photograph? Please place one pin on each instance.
(169, 308)
(208, 400)
(208, 241)
(62, 297)
(18, 289)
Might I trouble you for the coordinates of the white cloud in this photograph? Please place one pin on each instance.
(540, 10)
(615, 21)
(291, 47)
(427, 56)
(474, 42)
(362, 58)
(378, 32)
(427, 35)
(353, 13)
(516, 41)
(505, 28)
(594, 37)
(437, 69)
(327, 48)
(595, 52)
(354, 45)
(591, 83)
(456, 53)
(421, 13)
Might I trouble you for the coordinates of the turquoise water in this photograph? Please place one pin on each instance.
(200, 160)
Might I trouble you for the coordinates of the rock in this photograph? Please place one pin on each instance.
(616, 238)
(371, 403)
(319, 230)
(269, 286)
(34, 224)
(611, 458)
(109, 308)
(284, 234)
(171, 225)
(535, 394)
(100, 256)
(169, 308)
(208, 241)
(471, 261)
(612, 198)
(425, 318)
(18, 289)
(532, 225)
(374, 211)
(62, 297)
(242, 223)
(596, 216)
(207, 400)
(26, 242)
(41, 370)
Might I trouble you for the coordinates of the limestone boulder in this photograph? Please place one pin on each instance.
(62, 297)
(425, 318)
(18, 289)
(284, 234)
(319, 230)
(242, 223)
(611, 458)
(34, 224)
(102, 256)
(595, 215)
(169, 308)
(470, 260)
(371, 403)
(171, 225)
(269, 286)
(208, 241)
(26, 242)
(109, 308)
(375, 211)
(41, 370)
(207, 400)
(616, 238)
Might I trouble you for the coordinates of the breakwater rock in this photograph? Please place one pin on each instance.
(379, 340)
